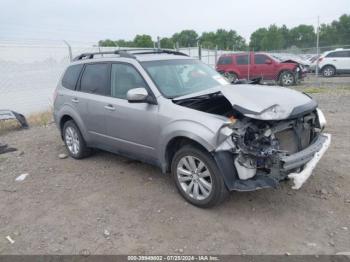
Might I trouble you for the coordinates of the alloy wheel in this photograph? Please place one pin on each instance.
(72, 140)
(287, 79)
(194, 177)
(328, 71)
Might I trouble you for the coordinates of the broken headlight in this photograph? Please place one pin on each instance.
(321, 118)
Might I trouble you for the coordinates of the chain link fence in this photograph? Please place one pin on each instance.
(29, 71)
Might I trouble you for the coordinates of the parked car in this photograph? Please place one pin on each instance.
(313, 63)
(253, 65)
(165, 108)
(334, 62)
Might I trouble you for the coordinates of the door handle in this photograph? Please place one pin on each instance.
(109, 107)
(75, 100)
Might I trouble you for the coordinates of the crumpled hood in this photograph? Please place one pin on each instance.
(254, 100)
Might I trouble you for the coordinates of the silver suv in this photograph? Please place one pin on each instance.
(165, 108)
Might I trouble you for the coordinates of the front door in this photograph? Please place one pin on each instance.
(132, 128)
(263, 67)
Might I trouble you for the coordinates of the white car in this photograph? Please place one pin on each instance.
(335, 62)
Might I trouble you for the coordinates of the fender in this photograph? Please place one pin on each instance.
(189, 129)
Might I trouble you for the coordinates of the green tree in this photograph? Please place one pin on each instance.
(272, 38)
(256, 39)
(343, 29)
(223, 39)
(229, 40)
(208, 40)
(302, 36)
(143, 41)
(107, 42)
(124, 43)
(167, 43)
(186, 38)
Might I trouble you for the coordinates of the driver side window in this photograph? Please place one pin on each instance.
(123, 78)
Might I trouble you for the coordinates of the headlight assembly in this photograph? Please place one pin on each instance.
(321, 118)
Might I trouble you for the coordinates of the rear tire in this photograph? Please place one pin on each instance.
(231, 77)
(74, 141)
(286, 78)
(197, 177)
(328, 71)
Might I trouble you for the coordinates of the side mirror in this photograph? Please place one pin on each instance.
(268, 61)
(139, 95)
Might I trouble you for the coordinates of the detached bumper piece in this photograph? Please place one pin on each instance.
(311, 156)
(8, 114)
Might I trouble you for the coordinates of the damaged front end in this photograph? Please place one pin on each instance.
(263, 153)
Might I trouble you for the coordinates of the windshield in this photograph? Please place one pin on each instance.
(182, 77)
(278, 58)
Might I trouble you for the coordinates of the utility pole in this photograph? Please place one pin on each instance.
(318, 44)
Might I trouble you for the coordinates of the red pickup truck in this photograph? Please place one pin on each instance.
(253, 65)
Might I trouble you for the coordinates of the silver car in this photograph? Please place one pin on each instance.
(165, 108)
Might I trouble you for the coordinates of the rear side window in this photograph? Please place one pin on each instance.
(71, 76)
(339, 54)
(95, 79)
(225, 60)
(242, 59)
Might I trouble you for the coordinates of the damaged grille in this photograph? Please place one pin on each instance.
(292, 142)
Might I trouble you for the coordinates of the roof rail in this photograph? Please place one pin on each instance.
(129, 53)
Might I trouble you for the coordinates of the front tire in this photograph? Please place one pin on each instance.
(328, 71)
(197, 177)
(74, 141)
(286, 78)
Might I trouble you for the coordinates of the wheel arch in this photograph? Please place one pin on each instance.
(175, 143)
(331, 65)
(68, 114)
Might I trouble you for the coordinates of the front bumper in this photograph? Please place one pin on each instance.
(310, 156)
(306, 160)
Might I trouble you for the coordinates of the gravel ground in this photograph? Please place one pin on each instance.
(107, 204)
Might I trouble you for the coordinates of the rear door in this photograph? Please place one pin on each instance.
(242, 65)
(263, 67)
(340, 59)
(94, 88)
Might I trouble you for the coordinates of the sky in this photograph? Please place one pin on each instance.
(93, 20)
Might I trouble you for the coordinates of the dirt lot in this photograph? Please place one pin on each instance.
(107, 204)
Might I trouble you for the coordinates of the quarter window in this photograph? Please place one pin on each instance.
(123, 78)
(242, 59)
(95, 79)
(71, 76)
(225, 60)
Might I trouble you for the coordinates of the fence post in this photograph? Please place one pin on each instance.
(216, 54)
(158, 42)
(69, 50)
(177, 46)
(317, 46)
(199, 52)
